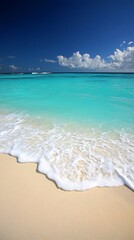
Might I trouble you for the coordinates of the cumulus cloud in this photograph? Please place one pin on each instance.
(123, 59)
(81, 61)
(118, 61)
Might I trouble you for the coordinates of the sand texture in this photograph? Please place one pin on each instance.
(33, 208)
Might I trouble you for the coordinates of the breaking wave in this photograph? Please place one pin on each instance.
(75, 158)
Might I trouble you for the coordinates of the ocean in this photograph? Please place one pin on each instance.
(77, 127)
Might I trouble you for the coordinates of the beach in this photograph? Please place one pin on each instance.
(67, 120)
(77, 127)
(32, 207)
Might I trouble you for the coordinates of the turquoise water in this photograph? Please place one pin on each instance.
(95, 98)
(78, 127)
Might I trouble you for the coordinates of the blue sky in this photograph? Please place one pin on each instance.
(33, 33)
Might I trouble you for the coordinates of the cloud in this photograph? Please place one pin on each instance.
(122, 43)
(118, 61)
(4, 68)
(130, 43)
(13, 67)
(38, 68)
(123, 59)
(11, 57)
(48, 60)
(34, 69)
(81, 61)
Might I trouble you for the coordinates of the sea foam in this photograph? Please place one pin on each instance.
(74, 158)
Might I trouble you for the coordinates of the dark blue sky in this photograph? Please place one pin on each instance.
(31, 31)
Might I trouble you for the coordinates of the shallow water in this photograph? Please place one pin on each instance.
(77, 127)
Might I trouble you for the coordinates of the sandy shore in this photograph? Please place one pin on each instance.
(32, 208)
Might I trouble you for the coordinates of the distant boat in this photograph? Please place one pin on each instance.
(34, 72)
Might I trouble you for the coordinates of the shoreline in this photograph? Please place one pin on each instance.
(65, 146)
(32, 207)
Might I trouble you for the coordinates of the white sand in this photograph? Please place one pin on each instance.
(32, 208)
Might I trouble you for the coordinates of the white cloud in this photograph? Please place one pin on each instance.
(10, 68)
(118, 61)
(122, 43)
(81, 61)
(130, 43)
(123, 59)
(13, 67)
(49, 60)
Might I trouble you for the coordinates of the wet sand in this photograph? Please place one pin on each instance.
(33, 208)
